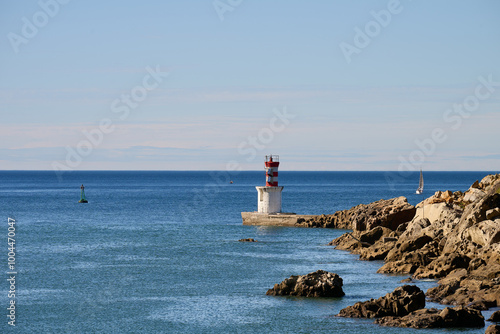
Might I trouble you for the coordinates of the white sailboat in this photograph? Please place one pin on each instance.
(420, 188)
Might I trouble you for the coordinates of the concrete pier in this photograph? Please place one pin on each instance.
(273, 219)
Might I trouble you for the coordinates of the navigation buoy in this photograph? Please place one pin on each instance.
(83, 199)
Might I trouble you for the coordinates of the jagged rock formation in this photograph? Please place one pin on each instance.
(400, 302)
(434, 318)
(317, 284)
(454, 237)
(386, 213)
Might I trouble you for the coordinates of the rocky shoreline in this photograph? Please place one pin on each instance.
(452, 237)
(404, 307)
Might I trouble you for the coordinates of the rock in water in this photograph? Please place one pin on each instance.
(434, 318)
(317, 284)
(493, 329)
(462, 317)
(495, 317)
(400, 302)
(248, 240)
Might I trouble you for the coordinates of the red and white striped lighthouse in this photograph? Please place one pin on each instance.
(272, 164)
(270, 196)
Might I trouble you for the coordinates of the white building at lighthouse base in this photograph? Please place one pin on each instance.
(269, 199)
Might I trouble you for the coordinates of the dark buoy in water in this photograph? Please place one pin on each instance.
(83, 199)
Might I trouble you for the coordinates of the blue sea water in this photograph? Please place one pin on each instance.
(158, 252)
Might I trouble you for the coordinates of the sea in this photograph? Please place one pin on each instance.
(158, 251)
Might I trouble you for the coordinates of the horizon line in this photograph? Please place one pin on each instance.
(231, 171)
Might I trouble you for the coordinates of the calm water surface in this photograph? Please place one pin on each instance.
(158, 252)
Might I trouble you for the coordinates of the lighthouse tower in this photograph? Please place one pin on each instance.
(269, 197)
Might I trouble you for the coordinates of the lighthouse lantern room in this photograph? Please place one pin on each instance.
(269, 197)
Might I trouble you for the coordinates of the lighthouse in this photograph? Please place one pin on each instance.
(269, 201)
(269, 197)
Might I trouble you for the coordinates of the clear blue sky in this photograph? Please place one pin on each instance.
(233, 65)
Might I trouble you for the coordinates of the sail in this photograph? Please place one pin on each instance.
(420, 183)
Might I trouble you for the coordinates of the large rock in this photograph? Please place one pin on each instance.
(400, 302)
(362, 242)
(493, 329)
(442, 266)
(317, 284)
(462, 317)
(413, 250)
(440, 215)
(485, 233)
(388, 213)
(434, 318)
(462, 288)
(373, 235)
(473, 194)
(495, 317)
(377, 251)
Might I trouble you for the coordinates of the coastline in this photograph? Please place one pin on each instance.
(453, 238)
